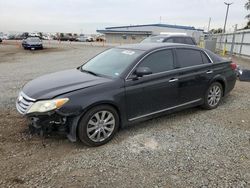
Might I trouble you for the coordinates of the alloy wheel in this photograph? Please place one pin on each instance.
(100, 126)
(214, 95)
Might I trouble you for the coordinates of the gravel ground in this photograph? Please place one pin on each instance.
(192, 148)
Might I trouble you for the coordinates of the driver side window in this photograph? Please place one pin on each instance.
(159, 61)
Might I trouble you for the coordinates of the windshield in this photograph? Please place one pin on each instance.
(111, 62)
(33, 39)
(153, 39)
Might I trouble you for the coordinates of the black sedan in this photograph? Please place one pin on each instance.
(124, 85)
(170, 38)
(32, 43)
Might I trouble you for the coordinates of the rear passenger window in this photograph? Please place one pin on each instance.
(179, 40)
(159, 61)
(189, 41)
(169, 40)
(205, 58)
(188, 57)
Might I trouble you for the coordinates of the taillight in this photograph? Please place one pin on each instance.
(233, 66)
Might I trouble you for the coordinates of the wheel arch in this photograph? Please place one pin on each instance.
(221, 80)
(73, 129)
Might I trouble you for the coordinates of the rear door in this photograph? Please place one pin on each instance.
(195, 72)
(152, 93)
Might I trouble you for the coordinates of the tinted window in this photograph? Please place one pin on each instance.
(169, 40)
(159, 61)
(214, 57)
(189, 41)
(205, 58)
(156, 39)
(179, 40)
(188, 57)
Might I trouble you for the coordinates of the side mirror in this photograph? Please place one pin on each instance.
(142, 71)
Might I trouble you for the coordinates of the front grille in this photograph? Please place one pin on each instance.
(23, 103)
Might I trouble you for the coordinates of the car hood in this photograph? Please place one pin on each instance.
(52, 85)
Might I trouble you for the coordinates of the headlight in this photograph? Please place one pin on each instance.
(48, 105)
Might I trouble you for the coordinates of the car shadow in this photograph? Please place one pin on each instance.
(134, 129)
(154, 123)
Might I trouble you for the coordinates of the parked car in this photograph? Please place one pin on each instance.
(11, 37)
(85, 39)
(22, 36)
(125, 85)
(47, 37)
(67, 38)
(32, 43)
(171, 38)
(5, 37)
(1, 35)
(100, 38)
(1, 40)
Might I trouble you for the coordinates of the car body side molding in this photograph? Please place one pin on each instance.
(164, 110)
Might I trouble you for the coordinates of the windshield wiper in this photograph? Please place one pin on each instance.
(90, 72)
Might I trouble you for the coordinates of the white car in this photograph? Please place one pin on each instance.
(85, 39)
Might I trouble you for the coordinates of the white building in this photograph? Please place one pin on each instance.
(136, 33)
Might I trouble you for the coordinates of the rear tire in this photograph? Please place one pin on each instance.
(98, 126)
(213, 96)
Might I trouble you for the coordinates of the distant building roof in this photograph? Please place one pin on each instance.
(124, 31)
(156, 25)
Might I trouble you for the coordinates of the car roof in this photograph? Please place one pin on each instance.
(171, 35)
(155, 46)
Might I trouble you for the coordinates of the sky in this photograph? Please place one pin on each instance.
(85, 16)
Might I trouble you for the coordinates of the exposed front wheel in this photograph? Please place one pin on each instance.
(98, 125)
(213, 96)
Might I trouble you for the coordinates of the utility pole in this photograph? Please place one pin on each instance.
(208, 28)
(225, 24)
(209, 21)
(224, 29)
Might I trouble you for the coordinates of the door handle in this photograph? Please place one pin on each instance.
(173, 80)
(209, 72)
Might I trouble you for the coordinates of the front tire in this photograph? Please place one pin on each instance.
(98, 126)
(213, 96)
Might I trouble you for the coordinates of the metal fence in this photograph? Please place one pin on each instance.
(238, 42)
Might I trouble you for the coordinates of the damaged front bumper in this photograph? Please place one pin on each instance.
(47, 122)
(55, 123)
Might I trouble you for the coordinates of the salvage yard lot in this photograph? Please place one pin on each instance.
(192, 148)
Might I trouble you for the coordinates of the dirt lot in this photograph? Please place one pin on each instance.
(192, 148)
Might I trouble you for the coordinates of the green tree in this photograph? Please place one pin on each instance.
(247, 6)
(214, 31)
(248, 25)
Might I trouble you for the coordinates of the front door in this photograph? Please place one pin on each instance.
(155, 92)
